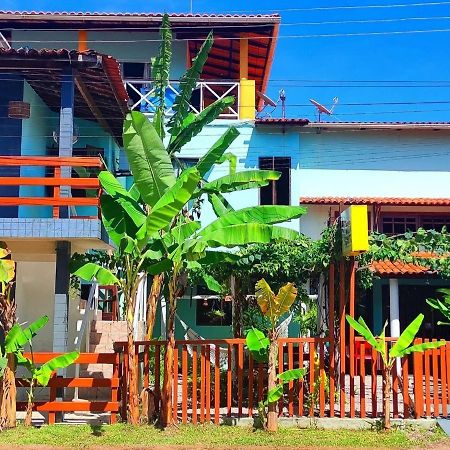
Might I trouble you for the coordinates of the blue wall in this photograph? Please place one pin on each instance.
(10, 137)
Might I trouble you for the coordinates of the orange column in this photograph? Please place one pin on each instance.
(243, 57)
(82, 41)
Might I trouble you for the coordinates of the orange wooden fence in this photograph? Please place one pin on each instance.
(56, 385)
(56, 200)
(215, 379)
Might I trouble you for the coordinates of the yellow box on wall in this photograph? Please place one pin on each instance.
(355, 230)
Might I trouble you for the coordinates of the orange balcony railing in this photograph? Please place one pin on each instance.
(56, 199)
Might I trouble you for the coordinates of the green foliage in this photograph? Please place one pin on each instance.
(275, 306)
(410, 247)
(216, 152)
(149, 161)
(188, 83)
(18, 337)
(403, 345)
(274, 394)
(194, 123)
(241, 180)
(257, 344)
(42, 374)
(442, 305)
(161, 73)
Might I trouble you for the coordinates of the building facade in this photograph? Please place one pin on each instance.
(77, 96)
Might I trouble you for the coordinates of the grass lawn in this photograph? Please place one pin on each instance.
(125, 436)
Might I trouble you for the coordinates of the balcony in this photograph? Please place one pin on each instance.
(50, 197)
(143, 96)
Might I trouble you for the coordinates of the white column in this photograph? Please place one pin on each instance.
(394, 314)
(163, 318)
(394, 308)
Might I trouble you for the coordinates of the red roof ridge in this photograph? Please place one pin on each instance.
(397, 201)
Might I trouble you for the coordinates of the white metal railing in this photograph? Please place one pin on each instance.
(144, 97)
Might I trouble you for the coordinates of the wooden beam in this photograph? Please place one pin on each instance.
(243, 57)
(79, 83)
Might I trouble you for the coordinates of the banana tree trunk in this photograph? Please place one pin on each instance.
(29, 411)
(133, 397)
(8, 395)
(8, 381)
(167, 387)
(152, 303)
(272, 417)
(387, 397)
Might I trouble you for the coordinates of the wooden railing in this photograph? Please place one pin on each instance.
(216, 379)
(57, 384)
(56, 181)
(145, 97)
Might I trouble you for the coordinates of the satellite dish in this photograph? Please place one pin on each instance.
(267, 100)
(322, 109)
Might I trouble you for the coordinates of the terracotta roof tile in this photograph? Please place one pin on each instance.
(395, 268)
(394, 201)
(281, 121)
(135, 14)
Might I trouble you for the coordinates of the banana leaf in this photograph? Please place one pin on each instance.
(161, 73)
(18, 337)
(244, 180)
(173, 201)
(258, 345)
(422, 347)
(188, 83)
(246, 233)
(406, 338)
(219, 204)
(196, 123)
(267, 214)
(149, 161)
(43, 374)
(127, 202)
(215, 153)
(91, 271)
(361, 328)
(291, 375)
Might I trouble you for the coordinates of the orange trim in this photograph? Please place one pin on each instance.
(72, 406)
(270, 56)
(51, 161)
(41, 181)
(48, 201)
(82, 41)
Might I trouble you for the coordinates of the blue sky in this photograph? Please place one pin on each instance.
(350, 67)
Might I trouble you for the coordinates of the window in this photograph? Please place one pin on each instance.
(435, 222)
(136, 71)
(399, 224)
(276, 192)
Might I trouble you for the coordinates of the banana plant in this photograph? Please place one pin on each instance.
(265, 348)
(442, 305)
(150, 224)
(7, 320)
(402, 347)
(15, 342)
